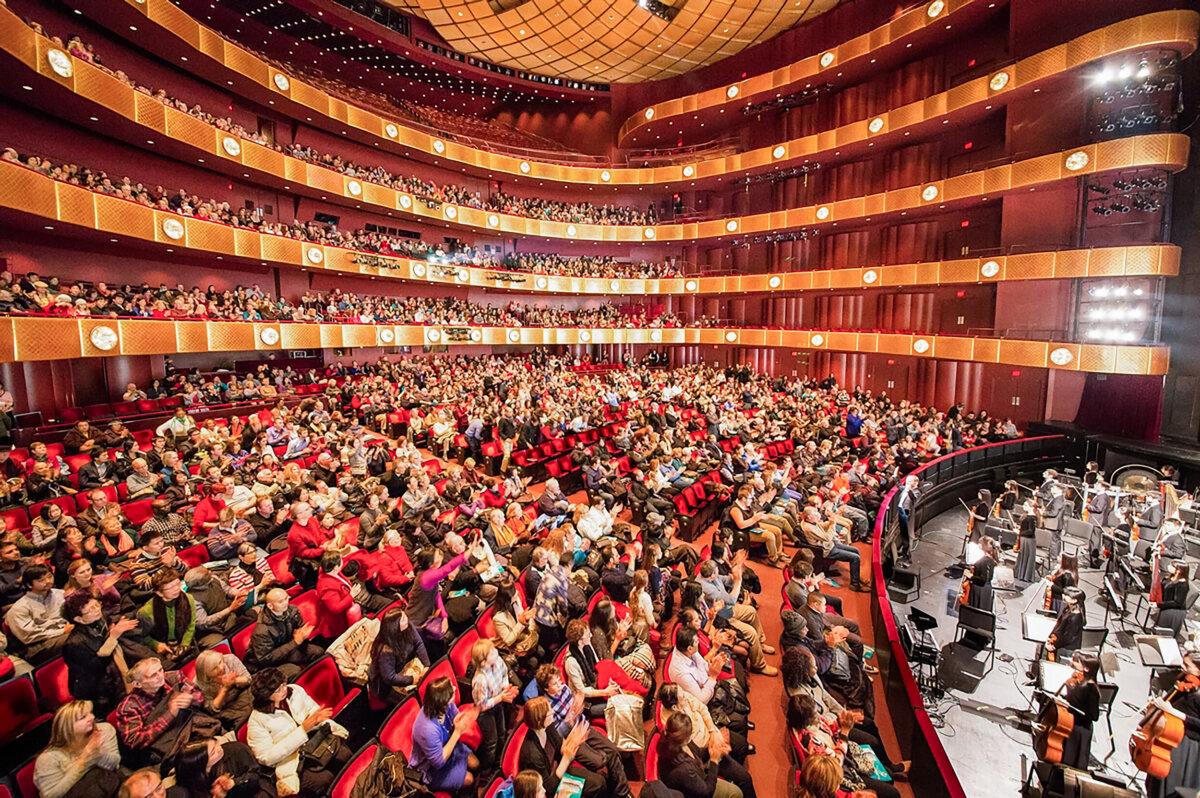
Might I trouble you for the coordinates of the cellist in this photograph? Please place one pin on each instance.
(1083, 699)
(1185, 759)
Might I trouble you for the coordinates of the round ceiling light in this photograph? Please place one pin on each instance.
(391, 130)
(439, 146)
(514, 336)
(405, 201)
(691, 285)
(990, 269)
(875, 125)
(998, 81)
(870, 276)
(730, 336)
(648, 232)
(920, 346)
(524, 167)
(826, 59)
(935, 8)
(823, 212)
(571, 230)
(269, 336)
(434, 335)
(817, 339)
(689, 170)
(774, 282)
(281, 81)
(315, 255)
(387, 335)
(649, 113)
(355, 188)
(606, 175)
(450, 212)
(731, 226)
(541, 282)
(778, 152)
(231, 146)
(930, 193)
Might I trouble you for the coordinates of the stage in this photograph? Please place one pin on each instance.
(983, 719)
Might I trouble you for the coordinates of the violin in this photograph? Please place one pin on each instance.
(964, 594)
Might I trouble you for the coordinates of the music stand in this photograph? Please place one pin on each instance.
(1053, 675)
(1036, 628)
(1158, 651)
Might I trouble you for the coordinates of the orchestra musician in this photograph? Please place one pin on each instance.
(980, 575)
(1149, 519)
(1185, 759)
(1010, 498)
(1091, 474)
(1026, 569)
(1054, 512)
(977, 520)
(1049, 480)
(1083, 700)
(1064, 576)
(1068, 630)
(1173, 607)
(1100, 515)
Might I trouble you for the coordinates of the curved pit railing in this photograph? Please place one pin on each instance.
(945, 480)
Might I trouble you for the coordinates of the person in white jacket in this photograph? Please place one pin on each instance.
(284, 716)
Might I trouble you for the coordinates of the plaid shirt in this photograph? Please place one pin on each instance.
(550, 603)
(174, 528)
(142, 718)
(490, 681)
(560, 708)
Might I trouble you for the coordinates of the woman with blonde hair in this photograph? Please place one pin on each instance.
(82, 757)
(821, 777)
(491, 690)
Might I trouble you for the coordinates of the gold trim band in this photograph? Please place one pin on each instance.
(28, 339)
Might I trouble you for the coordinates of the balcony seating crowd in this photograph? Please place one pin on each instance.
(533, 207)
(34, 295)
(186, 204)
(389, 542)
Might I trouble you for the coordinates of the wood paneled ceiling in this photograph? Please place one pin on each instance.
(610, 41)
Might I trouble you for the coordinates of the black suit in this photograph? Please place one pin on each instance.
(687, 774)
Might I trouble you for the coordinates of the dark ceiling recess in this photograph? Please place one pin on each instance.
(505, 5)
(660, 10)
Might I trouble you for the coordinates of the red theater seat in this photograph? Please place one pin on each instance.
(19, 711)
(460, 653)
(323, 683)
(510, 761)
(344, 783)
(51, 680)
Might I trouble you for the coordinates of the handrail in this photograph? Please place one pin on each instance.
(935, 776)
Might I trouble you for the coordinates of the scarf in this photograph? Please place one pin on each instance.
(182, 610)
(587, 660)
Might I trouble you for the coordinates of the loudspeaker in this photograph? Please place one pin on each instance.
(905, 585)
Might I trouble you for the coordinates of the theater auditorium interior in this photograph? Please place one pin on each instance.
(598, 399)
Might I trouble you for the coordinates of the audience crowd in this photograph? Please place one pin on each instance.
(597, 608)
(32, 294)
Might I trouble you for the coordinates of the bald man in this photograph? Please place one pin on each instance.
(281, 638)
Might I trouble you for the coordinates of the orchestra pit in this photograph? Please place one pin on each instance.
(587, 399)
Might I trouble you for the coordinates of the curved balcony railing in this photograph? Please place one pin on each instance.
(36, 338)
(946, 479)
(34, 197)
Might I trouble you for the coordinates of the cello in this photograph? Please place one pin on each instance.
(1054, 725)
(1160, 731)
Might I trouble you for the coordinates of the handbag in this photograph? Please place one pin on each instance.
(318, 752)
(623, 721)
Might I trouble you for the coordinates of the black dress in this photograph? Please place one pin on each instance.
(981, 584)
(1173, 608)
(1084, 702)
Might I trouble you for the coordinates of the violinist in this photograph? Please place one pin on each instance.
(1099, 511)
(1092, 474)
(1054, 514)
(1083, 699)
(1149, 520)
(1173, 607)
(979, 595)
(1185, 759)
(1049, 481)
(979, 514)
(1064, 576)
(1010, 498)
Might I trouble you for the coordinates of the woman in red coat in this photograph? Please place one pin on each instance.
(307, 540)
(336, 608)
(390, 568)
